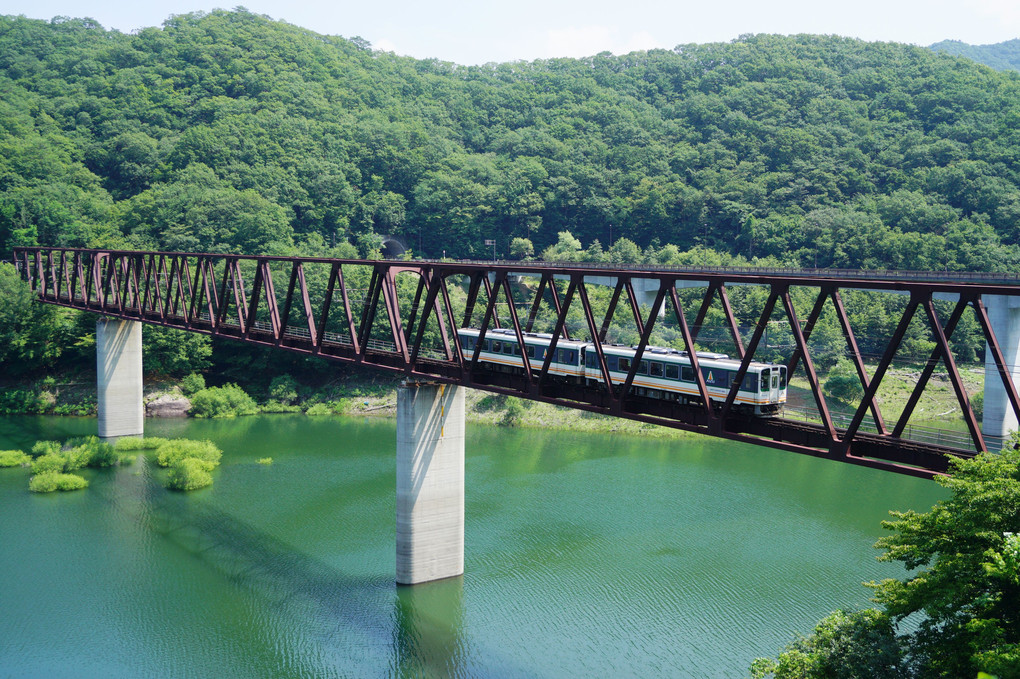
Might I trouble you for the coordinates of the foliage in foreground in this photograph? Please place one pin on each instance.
(971, 609)
(51, 481)
(844, 645)
(964, 583)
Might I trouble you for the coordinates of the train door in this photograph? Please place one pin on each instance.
(774, 386)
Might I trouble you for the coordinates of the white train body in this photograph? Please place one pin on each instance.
(664, 374)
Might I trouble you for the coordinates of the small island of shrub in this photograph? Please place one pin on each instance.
(13, 458)
(76, 453)
(189, 462)
(51, 481)
(189, 474)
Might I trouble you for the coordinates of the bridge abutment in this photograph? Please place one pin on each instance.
(1004, 316)
(119, 378)
(430, 482)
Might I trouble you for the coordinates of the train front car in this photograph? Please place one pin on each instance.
(667, 374)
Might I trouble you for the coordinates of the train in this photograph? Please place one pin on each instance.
(664, 373)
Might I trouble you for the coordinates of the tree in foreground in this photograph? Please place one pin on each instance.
(964, 558)
(964, 586)
(844, 645)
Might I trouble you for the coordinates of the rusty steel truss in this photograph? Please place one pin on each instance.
(374, 323)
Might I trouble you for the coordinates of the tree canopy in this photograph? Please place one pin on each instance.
(231, 131)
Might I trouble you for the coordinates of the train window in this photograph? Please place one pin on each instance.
(591, 360)
(467, 343)
(531, 351)
(655, 369)
(643, 368)
(687, 374)
(497, 347)
(672, 372)
(782, 377)
(750, 382)
(765, 379)
(624, 365)
(517, 349)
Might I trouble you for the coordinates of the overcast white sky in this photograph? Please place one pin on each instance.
(479, 32)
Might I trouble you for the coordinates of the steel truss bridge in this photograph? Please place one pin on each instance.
(362, 312)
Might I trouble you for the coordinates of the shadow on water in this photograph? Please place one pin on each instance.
(417, 631)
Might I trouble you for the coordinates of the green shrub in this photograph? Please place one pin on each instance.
(513, 414)
(843, 384)
(51, 481)
(14, 458)
(88, 451)
(175, 450)
(41, 448)
(192, 383)
(337, 407)
(22, 402)
(226, 401)
(490, 402)
(283, 389)
(139, 443)
(49, 463)
(87, 406)
(188, 473)
(265, 460)
(102, 454)
(977, 404)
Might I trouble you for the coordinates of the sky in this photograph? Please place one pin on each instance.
(479, 32)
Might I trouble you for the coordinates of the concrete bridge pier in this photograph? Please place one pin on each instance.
(1004, 316)
(430, 482)
(119, 378)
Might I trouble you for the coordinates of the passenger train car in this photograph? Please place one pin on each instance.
(662, 374)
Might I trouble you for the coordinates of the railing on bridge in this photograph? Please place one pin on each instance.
(403, 316)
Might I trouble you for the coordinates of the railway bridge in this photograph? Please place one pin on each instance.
(403, 317)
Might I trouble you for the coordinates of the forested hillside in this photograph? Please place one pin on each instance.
(1002, 56)
(233, 132)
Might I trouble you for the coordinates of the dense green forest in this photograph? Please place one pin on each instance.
(230, 131)
(1002, 56)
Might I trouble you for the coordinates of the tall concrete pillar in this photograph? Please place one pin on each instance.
(1004, 316)
(119, 377)
(430, 482)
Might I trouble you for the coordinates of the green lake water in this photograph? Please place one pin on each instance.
(586, 556)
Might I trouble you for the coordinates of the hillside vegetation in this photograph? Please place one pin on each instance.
(232, 132)
(1002, 56)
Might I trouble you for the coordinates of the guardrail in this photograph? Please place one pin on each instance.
(921, 434)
